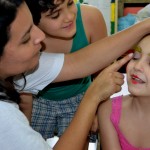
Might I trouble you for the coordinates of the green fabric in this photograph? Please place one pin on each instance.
(67, 89)
(80, 39)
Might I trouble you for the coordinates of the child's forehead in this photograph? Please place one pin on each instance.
(145, 42)
(137, 49)
(58, 4)
(143, 46)
(142, 49)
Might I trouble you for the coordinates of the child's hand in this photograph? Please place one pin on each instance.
(109, 81)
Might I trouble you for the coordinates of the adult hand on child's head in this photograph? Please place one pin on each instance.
(109, 81)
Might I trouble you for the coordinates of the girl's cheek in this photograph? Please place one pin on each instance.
(128, 67)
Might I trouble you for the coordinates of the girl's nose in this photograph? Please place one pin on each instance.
(138, 66)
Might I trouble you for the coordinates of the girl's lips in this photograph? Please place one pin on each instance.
(134, 76)
(136, 80)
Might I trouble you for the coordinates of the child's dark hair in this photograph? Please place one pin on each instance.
(8, 11)
(38, 6)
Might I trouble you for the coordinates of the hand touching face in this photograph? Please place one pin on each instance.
(109, 81)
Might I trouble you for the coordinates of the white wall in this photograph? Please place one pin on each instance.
(124, 90)
(104, 7)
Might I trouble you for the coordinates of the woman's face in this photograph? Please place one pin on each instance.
(61, 23)
(21, 52)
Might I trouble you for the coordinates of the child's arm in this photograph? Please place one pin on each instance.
(108, 136)
(26, 104)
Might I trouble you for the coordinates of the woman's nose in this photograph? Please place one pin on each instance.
(40, 36)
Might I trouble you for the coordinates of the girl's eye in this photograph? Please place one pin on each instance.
(136, 56)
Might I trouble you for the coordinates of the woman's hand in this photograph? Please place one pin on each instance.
(109, 81)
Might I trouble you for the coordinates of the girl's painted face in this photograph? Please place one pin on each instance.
(21, 52)
(138, 69)
(61, 23)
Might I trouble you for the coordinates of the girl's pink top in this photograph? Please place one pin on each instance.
(115, 118)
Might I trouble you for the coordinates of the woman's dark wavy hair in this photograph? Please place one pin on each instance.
(8, 11)
(38, 6)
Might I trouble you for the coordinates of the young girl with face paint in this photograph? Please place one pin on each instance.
(125, 119)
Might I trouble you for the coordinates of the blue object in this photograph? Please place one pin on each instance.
(126, 21)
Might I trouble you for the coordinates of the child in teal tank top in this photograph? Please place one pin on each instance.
(67, 89)
(68, 27)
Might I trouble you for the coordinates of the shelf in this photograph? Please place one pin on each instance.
(130, 3)
(135, 1)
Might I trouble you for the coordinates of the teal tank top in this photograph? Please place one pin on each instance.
(63, 90)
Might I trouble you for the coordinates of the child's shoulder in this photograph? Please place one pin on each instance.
(88, 7)
(105, 108)
(90, 12)
(94, 23)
